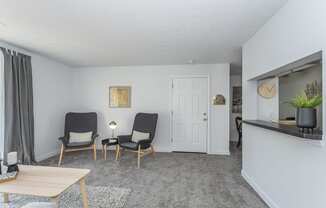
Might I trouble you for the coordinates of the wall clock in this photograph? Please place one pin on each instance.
(267, 89)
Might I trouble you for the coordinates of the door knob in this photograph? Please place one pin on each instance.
(204, 114)
(205, 119)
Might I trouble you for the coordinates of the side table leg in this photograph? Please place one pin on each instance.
(117, 155)
(83, 192)
(105, 151)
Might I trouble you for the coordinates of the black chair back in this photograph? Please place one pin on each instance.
(238, 123)
(146, 122)
(80, 122)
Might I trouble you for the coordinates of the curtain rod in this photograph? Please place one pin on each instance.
(12, 51)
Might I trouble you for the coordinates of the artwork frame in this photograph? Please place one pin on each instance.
(120, 96)
(237, 99)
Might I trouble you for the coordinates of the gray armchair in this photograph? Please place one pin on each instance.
(146, 123)
(79, 123)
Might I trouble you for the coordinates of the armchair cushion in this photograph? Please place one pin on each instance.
(144, 144)
(67, 144)
(137, 136)
(129, 145)
(73, 145)
(76, 137)
(124, 138)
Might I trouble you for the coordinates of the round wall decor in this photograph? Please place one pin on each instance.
(267, 89)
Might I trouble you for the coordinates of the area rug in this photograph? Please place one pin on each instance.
(98, 197)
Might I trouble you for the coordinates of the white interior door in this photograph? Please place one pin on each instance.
(190, 114)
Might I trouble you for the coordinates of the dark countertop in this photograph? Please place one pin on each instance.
(286, 129)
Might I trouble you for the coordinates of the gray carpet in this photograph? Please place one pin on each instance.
(99, 197)
(181, 180)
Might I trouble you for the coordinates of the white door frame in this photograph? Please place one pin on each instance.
(208, 138)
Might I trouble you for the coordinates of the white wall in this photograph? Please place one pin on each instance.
(235, 81)
(151, 88)
(286, 171)
(2, 104)
(52, 99)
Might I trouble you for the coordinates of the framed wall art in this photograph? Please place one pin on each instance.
(237, 99)
(120, 96)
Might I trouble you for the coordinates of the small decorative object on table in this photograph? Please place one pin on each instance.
(113, 125)
(12, 162)
(10, 171)
(8, 176)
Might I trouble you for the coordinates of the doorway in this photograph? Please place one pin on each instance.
(189, 115)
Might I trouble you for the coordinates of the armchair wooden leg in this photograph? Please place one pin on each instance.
(116, 149)
(94, 151)
(117, 152)
(152, 150)
(105, 151)
(138, 161)
(61, 154)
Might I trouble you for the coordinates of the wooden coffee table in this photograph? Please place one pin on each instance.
(45, 182)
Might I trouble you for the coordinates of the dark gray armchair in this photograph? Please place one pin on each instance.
(79, 123)
(146, 123)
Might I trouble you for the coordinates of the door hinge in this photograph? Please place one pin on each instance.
(172, 139)
(172, 85)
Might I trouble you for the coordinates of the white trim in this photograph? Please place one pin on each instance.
(267, 199)
(318, 143)
(208, 138)
(162, 149)
(220, 153)
(156, 148)
(47, 155)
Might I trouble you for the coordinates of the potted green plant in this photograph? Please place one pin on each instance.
(306, 110)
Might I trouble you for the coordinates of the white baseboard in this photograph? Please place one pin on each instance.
(156, 148)
(267, 199)
(99, 148)
(219, 153)
(45, 156)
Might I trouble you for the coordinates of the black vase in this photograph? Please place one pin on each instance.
(306, 118)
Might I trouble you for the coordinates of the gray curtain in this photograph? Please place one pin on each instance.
(19, 115)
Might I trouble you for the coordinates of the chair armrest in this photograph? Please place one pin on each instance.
(124, 138)
(95, 136)
(64, 140)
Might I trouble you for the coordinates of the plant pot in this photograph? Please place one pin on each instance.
(306, 118)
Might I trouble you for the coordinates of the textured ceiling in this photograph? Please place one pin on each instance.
(134, 32)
